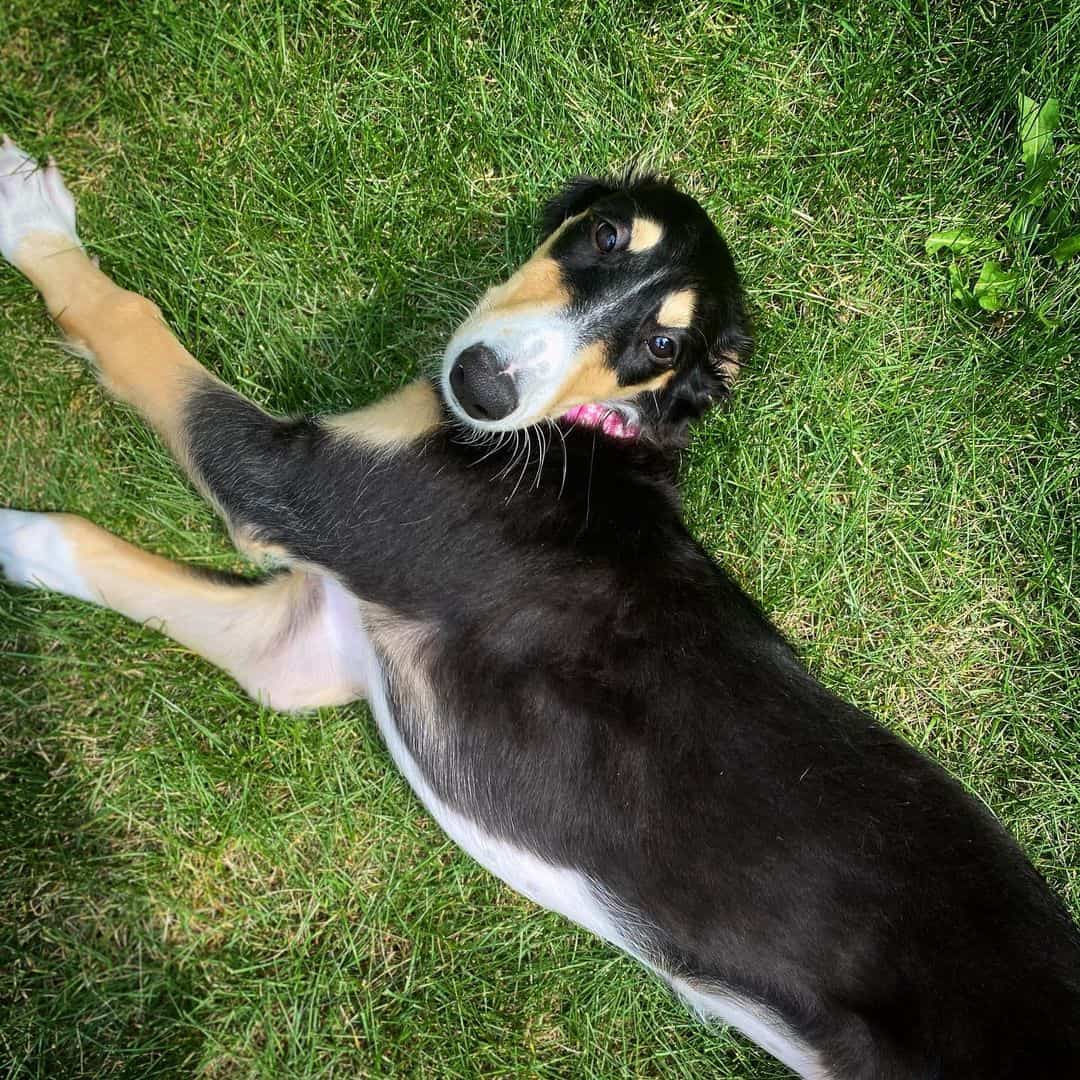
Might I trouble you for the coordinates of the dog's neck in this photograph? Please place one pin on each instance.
(609, 421)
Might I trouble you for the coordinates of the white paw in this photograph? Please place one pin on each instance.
(32, 199)
(35, 553)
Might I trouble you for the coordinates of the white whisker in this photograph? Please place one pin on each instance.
(525, 464)
(562, 483)
(542, 439)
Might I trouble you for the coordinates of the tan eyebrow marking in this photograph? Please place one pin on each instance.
(677, 310)
(644, 234)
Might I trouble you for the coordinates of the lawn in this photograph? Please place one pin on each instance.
(313, 193)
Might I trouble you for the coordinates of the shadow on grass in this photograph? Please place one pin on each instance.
(362, 348)
(87, 986)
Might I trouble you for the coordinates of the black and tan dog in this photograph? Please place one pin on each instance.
(584, 701)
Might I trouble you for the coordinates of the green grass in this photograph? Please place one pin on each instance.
(313, 194)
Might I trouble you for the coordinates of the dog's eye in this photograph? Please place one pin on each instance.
(605, 236)
(662, 347)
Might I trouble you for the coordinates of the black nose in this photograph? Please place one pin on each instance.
(482, 388)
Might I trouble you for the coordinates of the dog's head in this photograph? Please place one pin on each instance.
(631, 302)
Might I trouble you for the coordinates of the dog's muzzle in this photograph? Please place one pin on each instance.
(482, 385)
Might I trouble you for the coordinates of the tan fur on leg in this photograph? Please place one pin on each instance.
(284, 639)
(137, 357)
(395, 420)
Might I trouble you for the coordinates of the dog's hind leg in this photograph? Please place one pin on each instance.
(290, 640)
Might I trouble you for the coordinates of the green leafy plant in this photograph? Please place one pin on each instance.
(1033, 220)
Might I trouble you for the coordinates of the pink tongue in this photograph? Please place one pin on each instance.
(607, 420)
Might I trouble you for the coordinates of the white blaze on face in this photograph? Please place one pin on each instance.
(551, 354)
(538, 349)
(525, 322)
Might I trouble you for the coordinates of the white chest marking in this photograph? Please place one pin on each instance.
(557, 888)
(569, 893)
(756, 1023)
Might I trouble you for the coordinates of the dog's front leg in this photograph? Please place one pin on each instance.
(239, 456)
(137, 358)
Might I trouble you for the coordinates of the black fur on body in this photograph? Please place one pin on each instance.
(608, 699)
(615, 703)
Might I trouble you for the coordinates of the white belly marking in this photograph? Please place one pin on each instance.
(557, 888)
(569, 892)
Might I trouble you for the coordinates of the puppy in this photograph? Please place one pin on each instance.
(583, 700)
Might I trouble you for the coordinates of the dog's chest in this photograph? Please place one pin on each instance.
(369, 632)
(376, 640)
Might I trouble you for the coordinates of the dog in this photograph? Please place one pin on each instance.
(582, 699)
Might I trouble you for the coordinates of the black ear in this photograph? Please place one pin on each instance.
(690, 394)
(578, 195)
(732, 349)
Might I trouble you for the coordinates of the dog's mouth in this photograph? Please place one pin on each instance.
(608, 419)
(545, 378)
